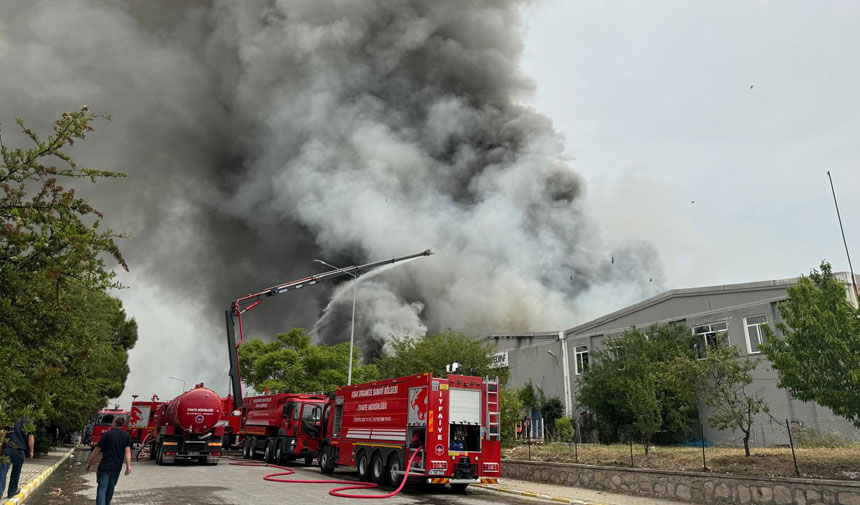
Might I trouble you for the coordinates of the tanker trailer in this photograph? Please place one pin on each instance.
(188, 428)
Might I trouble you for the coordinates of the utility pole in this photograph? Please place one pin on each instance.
(845, 242)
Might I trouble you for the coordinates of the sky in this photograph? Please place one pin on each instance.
(696, 136)
(739, 107)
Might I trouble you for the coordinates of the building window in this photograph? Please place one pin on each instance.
(754, 336)
(710, 335)
(581, 359)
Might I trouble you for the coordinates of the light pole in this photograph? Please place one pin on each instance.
(180, 380)
(352, 330)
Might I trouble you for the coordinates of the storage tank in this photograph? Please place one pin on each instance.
(195, 411)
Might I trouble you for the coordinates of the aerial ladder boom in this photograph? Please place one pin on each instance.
(248, 302)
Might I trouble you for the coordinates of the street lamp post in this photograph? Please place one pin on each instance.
(352, 329)
(180, 380)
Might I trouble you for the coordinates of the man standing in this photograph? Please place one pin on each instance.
(115, 446)
(17, 445)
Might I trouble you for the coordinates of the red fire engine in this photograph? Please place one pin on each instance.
(282, 427)
(102, 423)
(231, 420)
(142, 419)
(187, 428)
(377, 426)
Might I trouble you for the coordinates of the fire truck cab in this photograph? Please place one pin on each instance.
(102, 423)
(377, 427)
(282, 427)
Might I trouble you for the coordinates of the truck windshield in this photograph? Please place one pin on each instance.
(107, 419)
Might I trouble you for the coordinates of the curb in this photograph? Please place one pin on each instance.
(529, 494)
(31, 486)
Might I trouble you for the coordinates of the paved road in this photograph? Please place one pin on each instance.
(150, 484)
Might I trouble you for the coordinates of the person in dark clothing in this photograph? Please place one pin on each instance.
(17, 446)
(115, 447)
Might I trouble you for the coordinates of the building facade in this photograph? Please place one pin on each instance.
(555, 361)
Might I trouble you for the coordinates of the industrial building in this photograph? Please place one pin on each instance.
(555, 360)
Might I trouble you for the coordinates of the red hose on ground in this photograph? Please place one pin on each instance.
(338, 491)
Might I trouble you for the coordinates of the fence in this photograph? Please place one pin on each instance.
(826, 449)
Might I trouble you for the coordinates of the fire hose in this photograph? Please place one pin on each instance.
(338, 491)
(143, 444)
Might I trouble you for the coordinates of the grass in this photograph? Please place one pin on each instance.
(841, 463)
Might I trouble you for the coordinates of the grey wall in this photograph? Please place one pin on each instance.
(529, 359)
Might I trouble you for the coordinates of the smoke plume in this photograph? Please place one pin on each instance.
(259, 135)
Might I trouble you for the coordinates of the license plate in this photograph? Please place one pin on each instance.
(193, 453)
(436, 472)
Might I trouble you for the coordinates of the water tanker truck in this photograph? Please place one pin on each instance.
(188, 428)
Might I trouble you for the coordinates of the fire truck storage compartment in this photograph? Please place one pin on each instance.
(465, 419)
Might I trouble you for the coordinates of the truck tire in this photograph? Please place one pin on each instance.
(309, 460)
(269, 454)
(159, 458)
(392, 468)
(279, 452)
(325, 461)
(362, 465)
(377, 469)
(459, 488)
(246, 449)
(226, 440)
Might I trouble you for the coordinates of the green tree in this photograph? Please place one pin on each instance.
(727, 391)
(432, 353)
(564, 429)
(511, 414)
(819, 360)
(53, 278)
(644, 384)
(528, 396)
(291, 364)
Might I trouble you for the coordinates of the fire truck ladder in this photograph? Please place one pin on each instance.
(248, 302)
(493, 420)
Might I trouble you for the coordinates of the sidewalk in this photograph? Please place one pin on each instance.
(569, 494)
(35, 471)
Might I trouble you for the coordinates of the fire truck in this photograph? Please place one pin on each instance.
(187, 428)
(282, 427)
(377, 426)
(231, 420)
(142, 419)
(102, 423)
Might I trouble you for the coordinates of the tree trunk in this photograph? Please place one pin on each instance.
(747, 442)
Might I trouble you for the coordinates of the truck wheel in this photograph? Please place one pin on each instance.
(253, 445)
(309, 460)
(246, 449)
(159, 458)
(269, 454)
(377, 470)
(394, 478)
(362, 464)
(326, 465)
(279, 452)
(225, 441)
(459, 488)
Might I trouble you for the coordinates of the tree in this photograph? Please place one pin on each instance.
(291, 364)
(727, 391)
(819, 360)
(432, 353)
(564, 429)
(63, 340)
(511, 414)
(644, 384)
